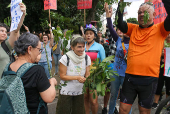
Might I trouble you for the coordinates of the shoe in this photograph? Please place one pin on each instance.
(104, 110)
(155, 105)
(116, 111)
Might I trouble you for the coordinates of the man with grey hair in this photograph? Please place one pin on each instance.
(143, 61)
(9, 43)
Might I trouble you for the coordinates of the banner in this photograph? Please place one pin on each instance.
(160, 11)
(16, 14)
(167, 62)
(84, 4)
(50, 4)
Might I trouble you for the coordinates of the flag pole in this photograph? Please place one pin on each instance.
(49, 16)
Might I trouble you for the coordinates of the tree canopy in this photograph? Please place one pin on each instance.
(67, 16)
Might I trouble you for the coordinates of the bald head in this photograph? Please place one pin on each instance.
(150, 9)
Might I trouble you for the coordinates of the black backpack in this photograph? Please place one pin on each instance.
(11, 55)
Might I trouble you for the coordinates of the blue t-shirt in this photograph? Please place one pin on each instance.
(96, 51)
(119, 64)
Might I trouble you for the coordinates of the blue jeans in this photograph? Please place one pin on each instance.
(45, 65)
(115, 85)
(56, 60)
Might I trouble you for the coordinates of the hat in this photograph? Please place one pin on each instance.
(90, 27)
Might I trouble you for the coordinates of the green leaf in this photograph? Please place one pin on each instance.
(110, 58)
(146, 17)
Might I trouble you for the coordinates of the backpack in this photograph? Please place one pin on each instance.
(11, 55)
(69, 59)
(12, 93)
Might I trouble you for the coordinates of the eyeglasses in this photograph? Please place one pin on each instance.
(40, 50)
(148, 3)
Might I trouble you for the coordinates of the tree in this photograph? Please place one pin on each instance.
(67, 16)
(132, 20)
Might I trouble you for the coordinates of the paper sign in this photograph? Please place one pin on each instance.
(50, 4)
(131, 0)
(167, 62)
(16, 14)
(160, 11)
(84, 4)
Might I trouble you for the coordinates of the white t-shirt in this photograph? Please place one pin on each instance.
(74, 87)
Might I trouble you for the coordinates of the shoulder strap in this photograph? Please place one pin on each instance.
(5, 47)
(86, 59)
(124, 50)
(24, 68)
(67, 59)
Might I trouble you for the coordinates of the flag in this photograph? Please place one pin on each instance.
(50, 4)
(84, 4)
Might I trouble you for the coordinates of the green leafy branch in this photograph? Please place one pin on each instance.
(100, 77)
(58, 34)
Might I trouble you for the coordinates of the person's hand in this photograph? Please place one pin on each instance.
(53, 81)
(23, 8)
(81, 28)
(108, 11)
(81, 79)
(26, 28)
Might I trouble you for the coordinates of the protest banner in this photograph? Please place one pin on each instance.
(84, 4)
(167, 62)
(16, 14)
(160, 11)
(50, 4)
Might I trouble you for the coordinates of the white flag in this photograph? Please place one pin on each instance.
(16, 14)
(167, 62)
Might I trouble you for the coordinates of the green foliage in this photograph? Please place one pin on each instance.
(132, 20)
(100, 77)
(7, 21)
(59, 86)
(146, 17)
(59, 34)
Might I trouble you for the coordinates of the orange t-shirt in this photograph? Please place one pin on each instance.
(145, 48)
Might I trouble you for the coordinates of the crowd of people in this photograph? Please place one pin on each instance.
(138, 50)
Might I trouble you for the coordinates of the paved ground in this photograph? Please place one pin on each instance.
(52, 106)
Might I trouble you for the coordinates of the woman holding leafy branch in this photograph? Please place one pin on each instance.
(48, 45)
(74, 69)
(94, 50)
(119, 64)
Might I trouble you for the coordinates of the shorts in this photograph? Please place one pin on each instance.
(145, 93)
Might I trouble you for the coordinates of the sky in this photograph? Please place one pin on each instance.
(133, 9)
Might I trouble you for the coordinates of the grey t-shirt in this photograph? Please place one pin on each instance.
(4, 57)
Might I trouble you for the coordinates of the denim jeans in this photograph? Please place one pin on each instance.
(56, 60)
(115, 85)
(45, 65)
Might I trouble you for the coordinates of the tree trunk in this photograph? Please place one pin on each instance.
(91, 12)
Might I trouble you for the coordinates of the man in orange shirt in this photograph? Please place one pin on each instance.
(143, 61)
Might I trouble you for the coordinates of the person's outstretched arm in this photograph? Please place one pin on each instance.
(167, 20)
(14, 34)
(109, 22)
(122, 25)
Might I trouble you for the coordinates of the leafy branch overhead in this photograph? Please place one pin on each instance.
(100, 76)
